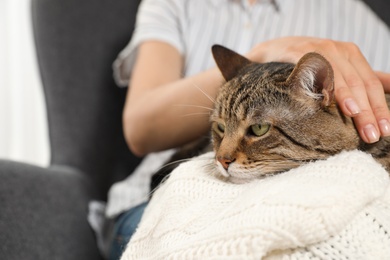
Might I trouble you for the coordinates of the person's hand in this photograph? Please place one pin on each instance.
(359, 90)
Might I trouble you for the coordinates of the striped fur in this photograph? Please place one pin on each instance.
(296, 101)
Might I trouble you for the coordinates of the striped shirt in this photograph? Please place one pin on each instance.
(192, 27)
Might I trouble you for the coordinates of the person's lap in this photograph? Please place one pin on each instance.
(124, 228)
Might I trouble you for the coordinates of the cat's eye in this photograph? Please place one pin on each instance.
(259, 129)
(221, 127)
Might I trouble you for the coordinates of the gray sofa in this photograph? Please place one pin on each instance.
(43, 212)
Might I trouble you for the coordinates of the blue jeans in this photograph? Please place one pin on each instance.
(124, 228)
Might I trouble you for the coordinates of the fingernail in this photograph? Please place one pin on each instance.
(371, 133)
(384, 125)
(352, 107)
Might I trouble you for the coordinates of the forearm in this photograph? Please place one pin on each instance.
(172, 114)
(164, 111)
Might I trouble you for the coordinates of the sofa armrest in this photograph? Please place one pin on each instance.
(43, 213)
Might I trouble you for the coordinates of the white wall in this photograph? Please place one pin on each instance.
(23, 127)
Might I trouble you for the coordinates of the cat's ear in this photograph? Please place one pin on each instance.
(228, 61)
(314, 75)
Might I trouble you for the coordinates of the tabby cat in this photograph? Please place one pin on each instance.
(272, 117)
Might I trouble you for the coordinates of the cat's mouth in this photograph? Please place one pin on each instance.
(235, 174)
(222, 170)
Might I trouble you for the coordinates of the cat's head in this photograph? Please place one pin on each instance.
(272, 117)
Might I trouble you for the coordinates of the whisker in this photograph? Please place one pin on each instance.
(158, 186)
(184, 105)
(204, 93)
(167, 176)
(177, 161)
(184, 160)
(196, 114)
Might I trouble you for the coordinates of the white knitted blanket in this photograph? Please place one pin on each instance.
(333, 209)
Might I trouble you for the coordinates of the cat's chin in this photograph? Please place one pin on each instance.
(231, 179)
(235, 180)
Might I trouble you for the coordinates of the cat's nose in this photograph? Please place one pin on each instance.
(225, 161)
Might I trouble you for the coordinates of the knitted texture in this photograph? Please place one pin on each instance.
(333, 209)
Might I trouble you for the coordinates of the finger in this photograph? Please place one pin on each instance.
(351, 96)
(344, 96)
(385, 79)
(375, 94)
